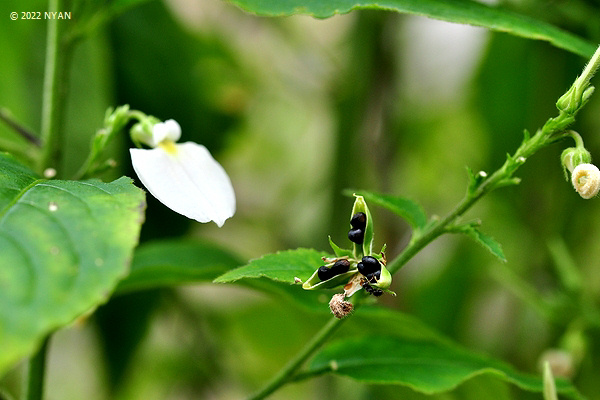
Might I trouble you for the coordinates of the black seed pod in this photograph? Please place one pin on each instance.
(368, 266)
(325, 273)
(340, 267)
(359, 221)
(356, 235)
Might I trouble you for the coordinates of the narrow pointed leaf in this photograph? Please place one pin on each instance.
(339, 252)
(64, 246)
(283, 266)
(488, 242)
(460, 11)
(425, 366)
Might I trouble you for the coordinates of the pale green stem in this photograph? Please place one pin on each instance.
(577, 138)
(51, 134)
(590, 69)
(34, 384)
(499, 178)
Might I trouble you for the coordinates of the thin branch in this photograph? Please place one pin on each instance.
(8, 119)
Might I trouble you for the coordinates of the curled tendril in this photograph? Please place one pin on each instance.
(586, 180)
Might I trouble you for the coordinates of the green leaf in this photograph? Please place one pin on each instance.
(171, 262)
(425, 366)
(64, 246)
(282, 266)
(339, 252)
(459, 11)
(412, 212)
(488, 242)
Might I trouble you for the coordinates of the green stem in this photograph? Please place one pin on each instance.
(290, 368)
(34, 384)
(52, 103)
(551, 130)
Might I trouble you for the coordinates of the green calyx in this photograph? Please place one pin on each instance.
(571, 157)
(366, 249)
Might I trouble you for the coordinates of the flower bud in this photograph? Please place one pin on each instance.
(586, 180)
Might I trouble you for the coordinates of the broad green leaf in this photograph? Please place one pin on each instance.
(488, 242)
(64, 246)
(459, 11)
(282, 266)
(425, 366)
(412, 212)
(171, 262)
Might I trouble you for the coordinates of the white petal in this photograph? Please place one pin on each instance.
(173, 130)
(169, 129)
(190, 182)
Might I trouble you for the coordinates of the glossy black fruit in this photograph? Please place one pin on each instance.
(368, 266)
(325, 273)
(356, 235)
(340, 267)
(359, 221)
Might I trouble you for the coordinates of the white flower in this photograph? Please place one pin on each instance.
(586, 180)
(184, 176)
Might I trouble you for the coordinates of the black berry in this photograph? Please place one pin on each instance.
(359, 221)
(356, 235)
(325, 273)
(369, 266)
(340, 267)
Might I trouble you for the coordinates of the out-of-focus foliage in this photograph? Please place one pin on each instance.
(298, 109)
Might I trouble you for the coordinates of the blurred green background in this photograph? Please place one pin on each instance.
(297, 110)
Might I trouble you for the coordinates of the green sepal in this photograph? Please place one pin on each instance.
(385, 279)
(339, 252)
(314, 282)
(367, 247)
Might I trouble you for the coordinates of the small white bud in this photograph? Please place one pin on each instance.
(586, 180)
(482, 174)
